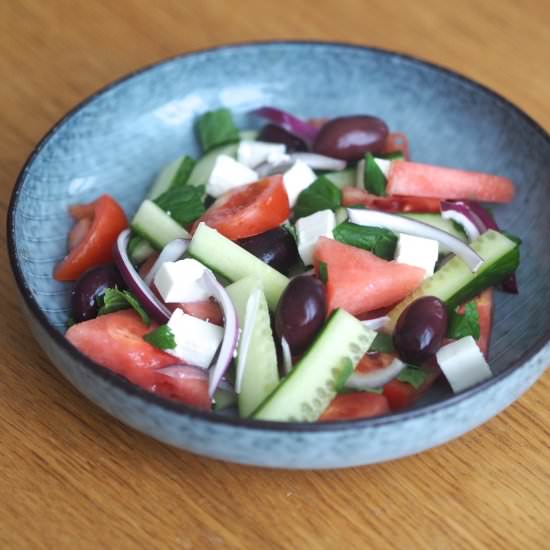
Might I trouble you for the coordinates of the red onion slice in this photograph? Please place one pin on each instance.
(376, 378)
(173, 251)
(230, 335)
(319, 162)
(289, 122)
(401, 224)
(158, 311)
(376, 323)
(464, 216)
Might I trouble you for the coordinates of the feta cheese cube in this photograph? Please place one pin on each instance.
(417, 251)
(384, 165)
(181, 281)
(463, 364)
(310, 228)
(253, 153)
(228, 174)
(297, 179)
(196, 340)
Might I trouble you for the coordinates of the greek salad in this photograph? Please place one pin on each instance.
(308, 271)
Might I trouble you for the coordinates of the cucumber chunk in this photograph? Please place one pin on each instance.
(454, 283)
(342, 178)
(257, 372)
(233, 262)
(312, 384)
(203, 168)
(139, 250)
(153, 224)
(172, 175)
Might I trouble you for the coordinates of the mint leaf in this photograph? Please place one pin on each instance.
(322, 194)
(162, 338)
(184, 204)
(114, 300)
(374, 180)
(183, 172)
(466, 324)
(382, 343)
(323, 272)
(344, 372)
(216, 128)
(378, 240)
(415, 376)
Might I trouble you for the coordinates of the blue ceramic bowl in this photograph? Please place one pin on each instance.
(117, 140)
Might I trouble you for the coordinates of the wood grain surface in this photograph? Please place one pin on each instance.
(72, 477)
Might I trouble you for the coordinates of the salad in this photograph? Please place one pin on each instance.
(309, 271)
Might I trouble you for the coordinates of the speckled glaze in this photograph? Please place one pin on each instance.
(117, 140)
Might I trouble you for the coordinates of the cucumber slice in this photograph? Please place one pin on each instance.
(233, 262)
(139, 250)
(258, 372)
(174, 174)
(203, 168)
(153, 224)
(340, 215)
(438, 221)
(248, 135)
(224, 399)
(312, 384)
(454, 283)
(343, 178)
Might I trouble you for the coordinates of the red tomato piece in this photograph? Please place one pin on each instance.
(249, 209)
(186, 384)
(98, 226)
(395, 142)
(352, 196)
(361, 404)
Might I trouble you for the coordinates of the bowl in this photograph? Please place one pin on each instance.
(116, 140)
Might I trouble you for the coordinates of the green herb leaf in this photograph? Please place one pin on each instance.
(415, 376)
(184, 204)
(216, 128)
(344, 372)
(378, 240)
(291, 229)
(183, 172)
(70, 322)
(114, 300)
(374, 180)
(162, 338)
(323, 272)
(382, 343)
(466, 324)
(322, 194)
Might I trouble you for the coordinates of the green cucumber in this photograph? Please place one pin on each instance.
(436, 220)
(260, 373)
(153, 224)
(172, 175)
(139, 250)
(312, 384)
(248, 135)
(203, 168)
(342, 178)
(454, 283)
(233, 262)
(224, 399)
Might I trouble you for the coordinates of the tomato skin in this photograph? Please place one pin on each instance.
(249, 210)
(360, 404)
(352, 196)
(94, 246)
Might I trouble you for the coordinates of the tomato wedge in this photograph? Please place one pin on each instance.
(249, 209)
(352, 196)
(360, 404)
(92, 238)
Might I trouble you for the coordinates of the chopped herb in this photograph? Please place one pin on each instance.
(382, 343)
(374, 180)
(114, 300)
(378, 240)
(322, 194)
(344, 372)
(466, 324)
(184, 204)
(216, 128)
(183, 172)
(415, 376)
(323, 272)
(162, 338)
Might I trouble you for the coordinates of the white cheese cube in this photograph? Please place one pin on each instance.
(228, 174)
(181, 281)
(417, 251)
(463, 364)
(253, 153)
(310, 228)
(196, 340)
(297, 179)
(384, 165)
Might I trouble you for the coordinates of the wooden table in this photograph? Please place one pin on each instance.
(72, 477)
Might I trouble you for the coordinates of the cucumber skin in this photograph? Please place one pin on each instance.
(362, 348)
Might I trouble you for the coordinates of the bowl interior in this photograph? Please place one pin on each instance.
(117, 141)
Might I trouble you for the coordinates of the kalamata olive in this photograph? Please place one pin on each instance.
(350, 137)
(301, 312)
(275, 247)
(275, 134)
(420, 329)
(91, 285)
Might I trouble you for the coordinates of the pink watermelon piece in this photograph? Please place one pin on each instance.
(358, 281)
(425, 180)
